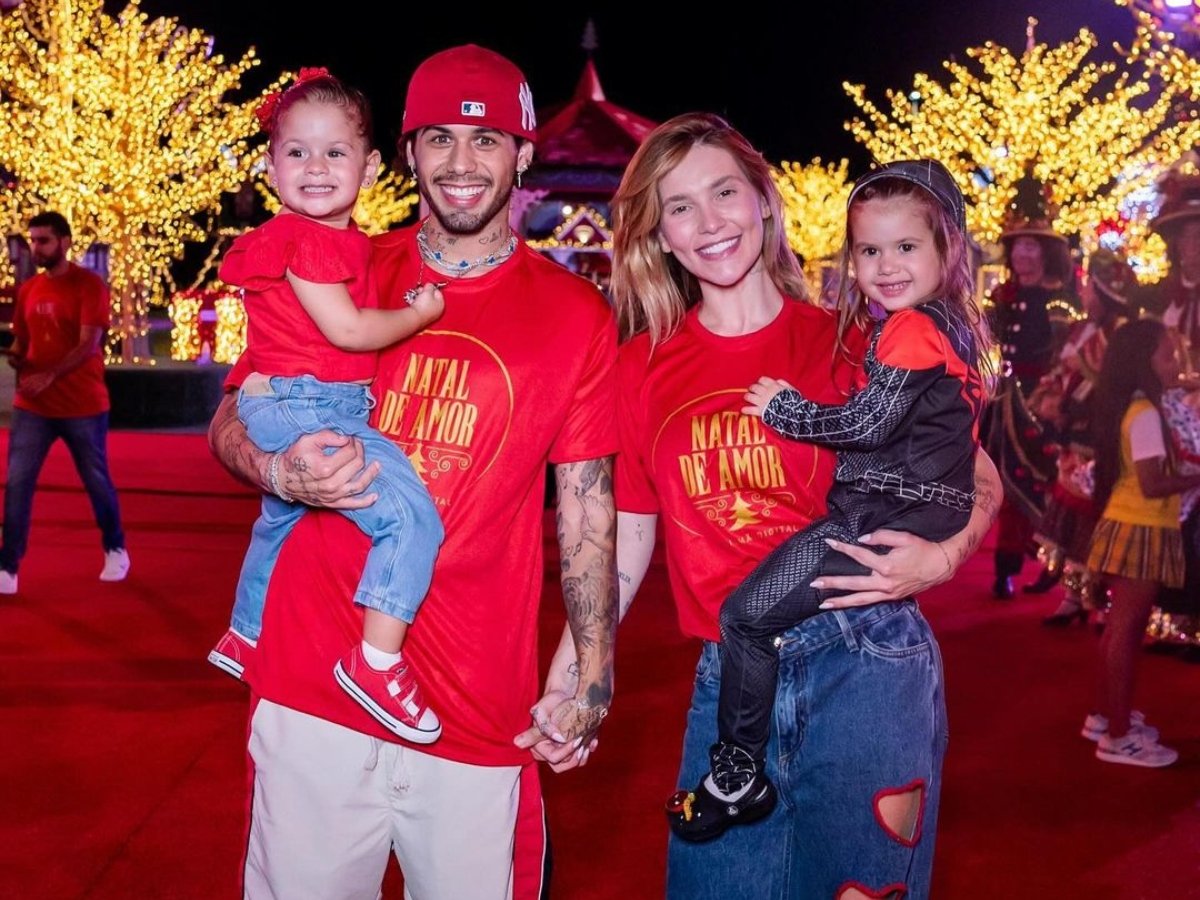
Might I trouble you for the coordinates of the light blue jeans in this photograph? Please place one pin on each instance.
(30, 438)
(859, 713)
(403, 523)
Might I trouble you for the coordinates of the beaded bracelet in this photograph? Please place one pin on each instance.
(273, 479)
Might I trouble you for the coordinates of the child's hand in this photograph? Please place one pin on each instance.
(429, 303)
(760, 394)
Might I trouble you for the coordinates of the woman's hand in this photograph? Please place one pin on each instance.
(549, 738)
(912, 565)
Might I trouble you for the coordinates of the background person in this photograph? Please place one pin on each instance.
(59, 323)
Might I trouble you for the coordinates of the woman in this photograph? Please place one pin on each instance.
(1137, 544)
(710, 298)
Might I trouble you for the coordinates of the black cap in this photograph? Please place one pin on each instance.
(927, 173)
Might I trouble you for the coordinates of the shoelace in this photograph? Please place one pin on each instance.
(732, 769)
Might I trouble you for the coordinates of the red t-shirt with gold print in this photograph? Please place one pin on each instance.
(726, 489)
(518, 371)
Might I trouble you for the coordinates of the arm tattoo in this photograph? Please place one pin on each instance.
(586, 522)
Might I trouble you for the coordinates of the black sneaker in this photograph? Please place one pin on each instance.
(704, 814)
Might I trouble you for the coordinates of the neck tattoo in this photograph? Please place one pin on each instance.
(459, 268)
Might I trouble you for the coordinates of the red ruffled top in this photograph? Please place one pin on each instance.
(281, 337)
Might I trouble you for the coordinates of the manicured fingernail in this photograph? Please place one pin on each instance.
(818, 584)
(558, 737)
(826, 605)
(579, 741)
(831, 542)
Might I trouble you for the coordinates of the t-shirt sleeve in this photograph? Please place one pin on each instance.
(95, 311)
(588, 431)
(260, 258)
(1145, 436)
(910, 340)
(634, 486)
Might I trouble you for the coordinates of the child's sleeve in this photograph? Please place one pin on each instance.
(261, 258)
(907, 356)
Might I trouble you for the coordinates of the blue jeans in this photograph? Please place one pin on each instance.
(29, 441)
(403, 523)
(859, 711)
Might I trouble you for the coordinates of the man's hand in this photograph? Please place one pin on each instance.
(329, 470)
(34, 383)
(553, 738)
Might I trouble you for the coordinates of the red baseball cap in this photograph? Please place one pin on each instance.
(470, 85)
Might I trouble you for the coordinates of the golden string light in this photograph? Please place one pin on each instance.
(389, 201)
(814, 209)
(1093, 134)
(122, 124)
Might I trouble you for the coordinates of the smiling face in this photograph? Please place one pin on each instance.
(894, 252)
(465, 173)
(319, 161)
(712, 218)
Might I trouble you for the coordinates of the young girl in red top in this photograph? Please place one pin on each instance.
(906, 444)
(313, 330)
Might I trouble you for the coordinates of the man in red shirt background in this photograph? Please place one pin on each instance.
(59, 323)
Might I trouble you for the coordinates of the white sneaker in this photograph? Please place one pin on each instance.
(1135, 749)
(116, 566)
(1095, 726)
(8, 582)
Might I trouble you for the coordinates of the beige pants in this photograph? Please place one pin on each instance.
(330, 804)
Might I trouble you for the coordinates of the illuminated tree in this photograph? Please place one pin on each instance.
(386, 203)
(814, 208)
(1093, 135)
(122, 124)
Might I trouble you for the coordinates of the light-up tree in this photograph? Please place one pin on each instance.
(814, 209)
(124, 125)
(389, 201)
(1094, 134)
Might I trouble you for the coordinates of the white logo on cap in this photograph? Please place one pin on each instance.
(528, 119)
(474, 108)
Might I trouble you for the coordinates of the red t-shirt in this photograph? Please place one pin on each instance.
(727, 490)
(50, 315)
(517, 372)
(281, 338)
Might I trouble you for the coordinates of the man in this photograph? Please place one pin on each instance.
(59, 322)
(517, 372)
(1030, 311)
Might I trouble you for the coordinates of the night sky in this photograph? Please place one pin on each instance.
(776, 76)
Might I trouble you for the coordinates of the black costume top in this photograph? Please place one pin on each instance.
(1025, 328)
(912, 428)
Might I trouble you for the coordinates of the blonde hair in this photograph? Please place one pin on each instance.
(957, 283)
(651, 290)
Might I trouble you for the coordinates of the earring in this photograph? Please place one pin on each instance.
(519, 173)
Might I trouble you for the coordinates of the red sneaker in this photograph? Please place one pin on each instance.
(391, 696)
(231, 653)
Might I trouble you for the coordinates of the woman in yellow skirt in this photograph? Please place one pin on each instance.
(1137, 542)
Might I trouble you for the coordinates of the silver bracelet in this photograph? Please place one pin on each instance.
(273, 479)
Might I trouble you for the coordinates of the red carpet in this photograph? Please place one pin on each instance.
(121, 748)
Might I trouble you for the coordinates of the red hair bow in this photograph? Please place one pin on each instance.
(270, 104)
